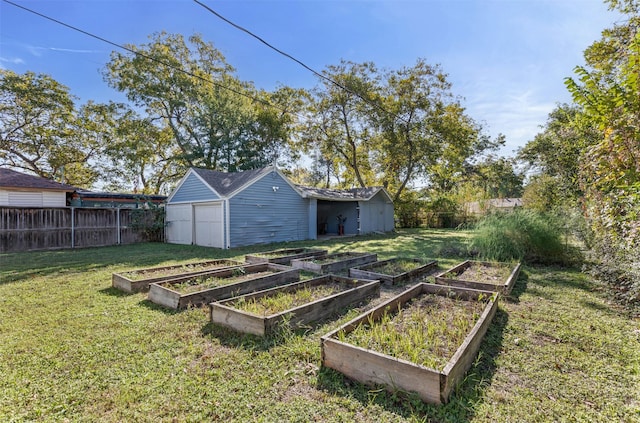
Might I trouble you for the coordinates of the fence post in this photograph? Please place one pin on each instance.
(119, 237)
(73, 229)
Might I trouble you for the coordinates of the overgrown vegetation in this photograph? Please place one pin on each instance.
(285, 300)
(426, 331)
(74, 349)
(523, 234)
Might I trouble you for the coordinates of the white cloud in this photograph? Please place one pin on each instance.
(12, 60)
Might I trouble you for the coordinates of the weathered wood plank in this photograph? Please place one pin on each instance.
(161, 292)
(342, 261)
(368, 271)
(125, 283)
(372, 367)
(316, 310)
(284, 256)
(505, 287)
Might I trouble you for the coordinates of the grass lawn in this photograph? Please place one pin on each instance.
(74, 349)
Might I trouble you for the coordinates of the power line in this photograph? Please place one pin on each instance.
(153, 59)
(287, 55)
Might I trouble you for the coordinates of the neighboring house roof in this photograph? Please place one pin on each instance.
(353, 194)
(118, 196)
(226, 183)
(12, 179)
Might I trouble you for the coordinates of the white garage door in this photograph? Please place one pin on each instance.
(209, 225)
(179, 225)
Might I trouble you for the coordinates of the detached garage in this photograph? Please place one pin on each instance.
(261, 206)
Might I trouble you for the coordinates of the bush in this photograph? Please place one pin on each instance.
(523, 234)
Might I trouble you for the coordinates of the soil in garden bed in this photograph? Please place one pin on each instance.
(200, 283)
(480, 272)
(136, 275)
(426, 331)
(282, 301)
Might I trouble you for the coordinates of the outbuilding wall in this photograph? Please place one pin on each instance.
(269, 210)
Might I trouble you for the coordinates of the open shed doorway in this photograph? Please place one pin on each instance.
(332, 213)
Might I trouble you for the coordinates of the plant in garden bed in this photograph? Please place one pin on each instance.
(484, 272)
(200, 283)
(395, 267)
(283, 301)
(427, 331)
(152, 273)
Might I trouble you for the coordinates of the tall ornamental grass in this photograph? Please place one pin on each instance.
(523, 234)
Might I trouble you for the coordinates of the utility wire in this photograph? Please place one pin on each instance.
(287, 55)
(153, 59)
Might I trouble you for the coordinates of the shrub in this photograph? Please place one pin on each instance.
(523, 234)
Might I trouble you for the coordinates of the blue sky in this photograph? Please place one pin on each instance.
(506, 58)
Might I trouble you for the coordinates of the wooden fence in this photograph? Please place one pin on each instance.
(29, 229)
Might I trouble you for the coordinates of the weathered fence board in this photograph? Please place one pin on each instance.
(29, 229)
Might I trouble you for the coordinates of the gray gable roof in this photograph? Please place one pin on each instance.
(353, 194)
(12, 179)
(226, 183)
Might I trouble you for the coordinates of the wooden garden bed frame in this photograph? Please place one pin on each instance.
(342, 261)
(124, 283)
(368, 271)
(505, 288)
(223, 313)
(284, 256)
(373, 368)
(162, 294)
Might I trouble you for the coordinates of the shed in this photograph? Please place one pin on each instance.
(362, 210)
(19, 189)
(224, 210)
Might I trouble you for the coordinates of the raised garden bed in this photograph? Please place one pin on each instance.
(423, 340)
(138, 280)
(490, 276)
(180, 293)
(395, 270)
(284, 256)
(296, 304)
(334, 262)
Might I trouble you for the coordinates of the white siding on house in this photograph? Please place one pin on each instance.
(4, 197)
(54, 199)
(25, 199)
(15, 198)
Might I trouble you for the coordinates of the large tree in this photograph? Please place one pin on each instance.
(42, 132)
(339, 132)
(608, 90)
(216, 120)
(390, 127)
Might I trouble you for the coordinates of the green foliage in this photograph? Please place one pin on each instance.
(409, 210)
(608, 90)
(149, 221)
(391, 128)
(521, 235)
(41, 130)
(190, 89)
(443, 212)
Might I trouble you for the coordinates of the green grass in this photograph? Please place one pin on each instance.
(74, 349)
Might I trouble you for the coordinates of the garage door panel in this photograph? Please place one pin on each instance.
(179, 223)
(209, 225)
